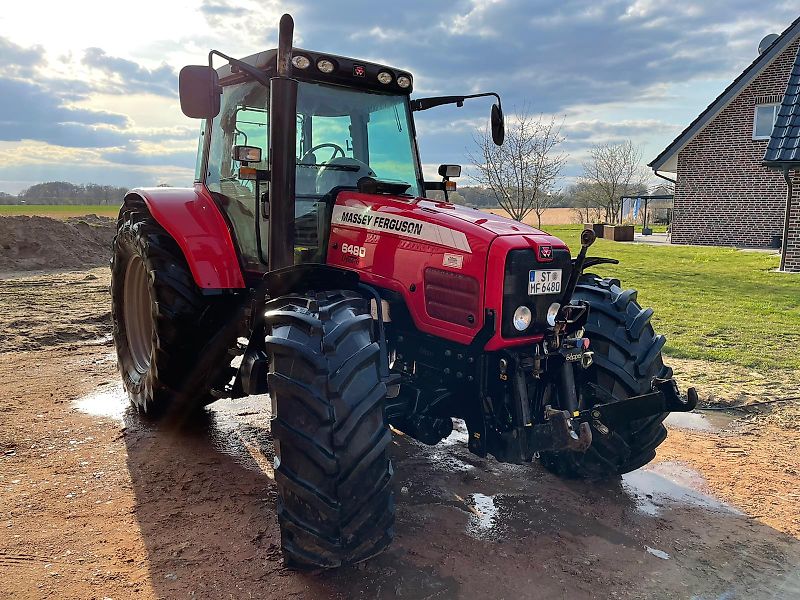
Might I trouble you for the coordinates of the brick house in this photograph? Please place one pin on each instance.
(724, 193)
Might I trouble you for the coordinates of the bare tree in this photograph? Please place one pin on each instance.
(614, 169)
(587, 201)
(523, 171)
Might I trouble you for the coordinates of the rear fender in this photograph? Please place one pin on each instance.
(194, 221)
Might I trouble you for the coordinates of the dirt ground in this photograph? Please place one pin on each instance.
(43, 243)
(95, 503)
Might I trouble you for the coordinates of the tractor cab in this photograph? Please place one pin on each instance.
(352, 120)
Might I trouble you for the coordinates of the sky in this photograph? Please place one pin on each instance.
(88, 89)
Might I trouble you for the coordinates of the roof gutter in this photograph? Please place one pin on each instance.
(657, 174)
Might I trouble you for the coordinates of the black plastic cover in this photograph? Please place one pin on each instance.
(519, 264)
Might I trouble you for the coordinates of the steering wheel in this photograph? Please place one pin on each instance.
(336, 150)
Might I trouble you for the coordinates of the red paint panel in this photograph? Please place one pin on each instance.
(194, 221)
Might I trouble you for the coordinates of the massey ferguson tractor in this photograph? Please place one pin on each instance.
(308, 262)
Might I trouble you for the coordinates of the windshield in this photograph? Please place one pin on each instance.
(342, 136)
(345, 134)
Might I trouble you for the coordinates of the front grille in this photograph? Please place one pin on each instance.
(519, 263)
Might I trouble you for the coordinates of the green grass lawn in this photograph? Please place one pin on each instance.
(59, 211)
(711, 303)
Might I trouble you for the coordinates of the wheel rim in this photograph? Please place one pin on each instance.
(137, 314)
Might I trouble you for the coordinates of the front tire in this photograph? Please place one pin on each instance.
(627, 356)
(335, 504)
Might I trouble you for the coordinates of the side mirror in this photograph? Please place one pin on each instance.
(247, 154)
(498, 125)
(199, 91)
(448, 171)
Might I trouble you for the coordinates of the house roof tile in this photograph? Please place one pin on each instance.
(784, 144)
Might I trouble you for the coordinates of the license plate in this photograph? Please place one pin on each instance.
(544, 282)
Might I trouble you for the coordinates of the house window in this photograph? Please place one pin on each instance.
(764, 121)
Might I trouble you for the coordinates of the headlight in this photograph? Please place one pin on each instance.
(300, 61)
(522, 318)
(403, 81)
(385, 77)
(552, 313)
(325, 65)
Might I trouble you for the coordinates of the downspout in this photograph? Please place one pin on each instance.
(789, 194)
(670, 217)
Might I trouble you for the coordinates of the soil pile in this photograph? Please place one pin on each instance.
(31, 243)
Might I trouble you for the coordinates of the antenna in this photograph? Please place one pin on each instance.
(767, 42)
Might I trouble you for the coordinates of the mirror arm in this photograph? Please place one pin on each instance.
(426, 103)
(241, 65)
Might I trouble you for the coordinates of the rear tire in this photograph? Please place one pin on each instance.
(172, 342)
(335, 504)
(627, 356)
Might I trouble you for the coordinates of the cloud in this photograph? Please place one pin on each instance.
(17, 59)
(31, 111)
(127, 76)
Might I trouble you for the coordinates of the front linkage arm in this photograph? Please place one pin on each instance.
(663, 398)
(564, 431)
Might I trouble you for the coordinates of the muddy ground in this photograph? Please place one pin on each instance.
(94, 503)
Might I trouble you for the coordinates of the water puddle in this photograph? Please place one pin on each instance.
(101, 341)
(656, 487)
(711, 422)
(657, 553)
(460, 435)
(483, 519)
(110, 402)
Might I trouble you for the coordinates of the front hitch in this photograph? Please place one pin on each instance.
(563, 430)
(663, 398)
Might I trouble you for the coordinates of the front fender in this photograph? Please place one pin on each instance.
(194, 221)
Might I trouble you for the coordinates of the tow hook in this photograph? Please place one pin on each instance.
(557, 433)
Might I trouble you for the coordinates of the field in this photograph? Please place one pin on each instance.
(551, 216)
(562, 216)
(712, 303)
(59, 211)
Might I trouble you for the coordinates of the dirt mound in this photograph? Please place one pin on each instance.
(31, 243)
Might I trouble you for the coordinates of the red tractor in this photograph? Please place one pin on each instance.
(307, 263)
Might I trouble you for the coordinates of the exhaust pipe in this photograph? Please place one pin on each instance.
(282, 161)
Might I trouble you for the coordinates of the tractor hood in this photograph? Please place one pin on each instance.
(491, 222)
(441, 223)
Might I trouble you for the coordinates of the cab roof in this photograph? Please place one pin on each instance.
(350, 72)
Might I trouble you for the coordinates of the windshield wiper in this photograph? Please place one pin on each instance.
(352, 168)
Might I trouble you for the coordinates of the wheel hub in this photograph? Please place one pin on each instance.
(137, 314)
